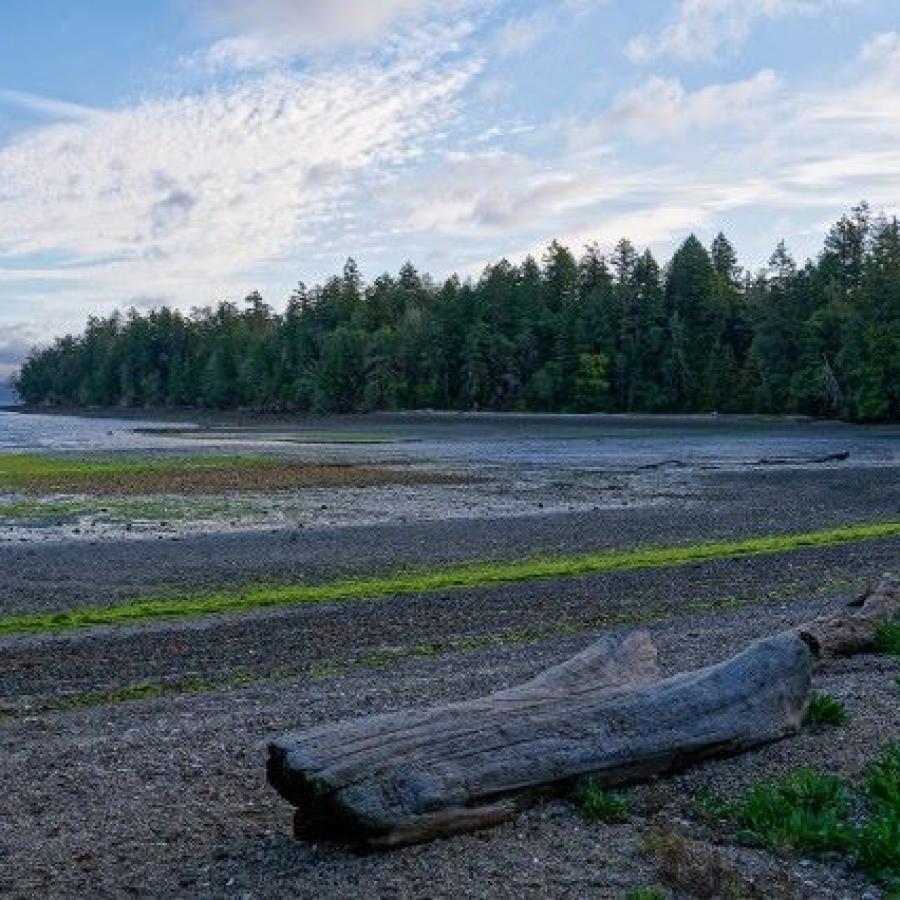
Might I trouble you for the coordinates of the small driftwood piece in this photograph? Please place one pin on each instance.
(854, 628)
(414, 775)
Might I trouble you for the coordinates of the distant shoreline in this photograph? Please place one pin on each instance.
(195, 412)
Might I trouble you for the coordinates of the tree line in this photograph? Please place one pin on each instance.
(601, 332)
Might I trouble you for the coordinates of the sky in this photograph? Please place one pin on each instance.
(188, 151)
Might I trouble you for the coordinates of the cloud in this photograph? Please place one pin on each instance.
(700, 29)
(186, 195)
(263, 32)
(171, 211)
(883, 52)
(767, 153)
(661, 107)
(500, 192)
(582, 7)
(815, 150)
(16, 341)
(390, 153)
(519, 35)
(47, 106)
(496, 191)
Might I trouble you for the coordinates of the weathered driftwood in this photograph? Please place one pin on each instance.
(414, 775)
(853, 629)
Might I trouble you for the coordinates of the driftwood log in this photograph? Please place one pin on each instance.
(410, 776)
(853, 629)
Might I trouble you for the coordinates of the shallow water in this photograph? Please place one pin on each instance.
(47, 433)
(667, 446)
(559, 442)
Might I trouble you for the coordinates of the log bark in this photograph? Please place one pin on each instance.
(413, 775)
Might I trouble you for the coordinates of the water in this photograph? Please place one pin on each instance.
(665, 444)
(47, 433)
(592, 442)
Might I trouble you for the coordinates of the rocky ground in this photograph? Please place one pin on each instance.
(132, 758)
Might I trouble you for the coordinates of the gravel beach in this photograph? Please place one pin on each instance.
(132, 758)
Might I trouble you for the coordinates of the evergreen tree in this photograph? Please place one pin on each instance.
(600, 333)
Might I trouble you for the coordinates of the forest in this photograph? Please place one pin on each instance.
(615, 332)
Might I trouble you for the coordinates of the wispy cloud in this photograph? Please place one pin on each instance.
(883, 53)
(177, 196)
(520, 34)
(765, 148)
(662, 107)
(474, 194)
(49, 107)
(700, 29)
(266, 32)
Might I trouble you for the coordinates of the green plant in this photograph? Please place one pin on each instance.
(882, 780)
(711, 808)
(887, 638)
(810, 811)
(650, 892)
(825, 710)
(20, 470)
(877, 849)
(877, 844)
(595, 804)
(805, 810)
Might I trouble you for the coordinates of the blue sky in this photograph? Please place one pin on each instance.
(185, 151)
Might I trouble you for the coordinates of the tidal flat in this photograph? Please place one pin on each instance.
(485, 547)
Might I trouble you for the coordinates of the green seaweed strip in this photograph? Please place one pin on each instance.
(149, 690)
(440, 579)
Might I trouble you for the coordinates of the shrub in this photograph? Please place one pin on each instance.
(599, 805)
(711, 808)
(825, 710)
